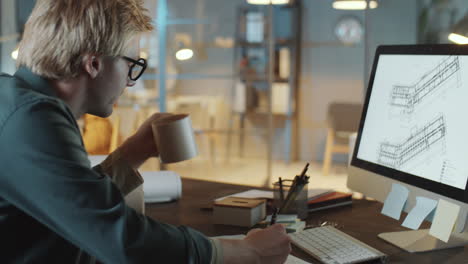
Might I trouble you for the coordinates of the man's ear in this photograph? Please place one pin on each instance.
(92, 65)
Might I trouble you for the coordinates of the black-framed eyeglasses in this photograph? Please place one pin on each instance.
(136, 68)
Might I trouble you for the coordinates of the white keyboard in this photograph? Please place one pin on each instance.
(330, 245)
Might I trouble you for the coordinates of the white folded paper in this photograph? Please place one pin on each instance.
(423, 208)
(396, 201)
(161, 186)
(444, 221)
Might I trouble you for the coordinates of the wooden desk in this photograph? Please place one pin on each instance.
(362, 220)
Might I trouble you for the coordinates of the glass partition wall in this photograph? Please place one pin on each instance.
(193, 69)
(223, 63)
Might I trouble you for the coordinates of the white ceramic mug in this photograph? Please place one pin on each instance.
(174, 138)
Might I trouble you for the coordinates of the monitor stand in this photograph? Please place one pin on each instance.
(421, 241)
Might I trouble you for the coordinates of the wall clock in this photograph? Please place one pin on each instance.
(349, 30)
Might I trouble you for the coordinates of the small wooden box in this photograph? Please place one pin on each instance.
(239, 211)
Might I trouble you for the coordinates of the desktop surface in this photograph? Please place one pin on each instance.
(362, 220)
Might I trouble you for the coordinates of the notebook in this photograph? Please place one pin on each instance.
(330, 200)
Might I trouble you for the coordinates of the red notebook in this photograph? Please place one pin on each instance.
(330, 200)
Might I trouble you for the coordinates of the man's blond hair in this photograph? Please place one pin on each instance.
(59, 32)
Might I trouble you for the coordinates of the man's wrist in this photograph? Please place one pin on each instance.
(132, 153)
(124, 176)
(217, 251)
(238, 251)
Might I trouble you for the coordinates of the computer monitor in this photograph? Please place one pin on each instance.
(414, 132)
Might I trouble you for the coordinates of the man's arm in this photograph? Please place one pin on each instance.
(50, 179)
(271, 245)
(141, 146)
(125, 177)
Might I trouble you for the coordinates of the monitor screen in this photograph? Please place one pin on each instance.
(415, 120)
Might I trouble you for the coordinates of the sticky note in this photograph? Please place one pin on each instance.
(395, 201)
(444, 220)
(423, 208)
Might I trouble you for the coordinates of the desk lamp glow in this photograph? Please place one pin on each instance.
(460, 32)
(353, 4)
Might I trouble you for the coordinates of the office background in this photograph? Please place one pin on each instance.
(329, 70)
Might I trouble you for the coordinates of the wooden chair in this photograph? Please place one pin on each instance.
(97, 134)
(342, 120)
(115, 136)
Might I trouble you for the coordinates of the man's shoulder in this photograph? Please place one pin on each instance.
(16, 97)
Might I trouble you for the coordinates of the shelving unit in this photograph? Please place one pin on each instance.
(260, 71)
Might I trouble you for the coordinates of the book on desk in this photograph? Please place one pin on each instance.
(329, 200)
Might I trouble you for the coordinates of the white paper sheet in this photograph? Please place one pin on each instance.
(291, 259)
(424, 206)
(254, 193)
(161, 186)
(395, 201)
(444, 220)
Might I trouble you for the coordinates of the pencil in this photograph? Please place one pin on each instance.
(273, 216)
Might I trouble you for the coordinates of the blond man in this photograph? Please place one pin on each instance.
(76, 57)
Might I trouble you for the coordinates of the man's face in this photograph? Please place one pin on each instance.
(111, 81)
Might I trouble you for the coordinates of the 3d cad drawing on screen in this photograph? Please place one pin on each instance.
(397, 155)
(423, 140)
(421, 101)
(409, 97)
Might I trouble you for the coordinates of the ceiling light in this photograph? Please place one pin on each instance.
(184, 50)
(459, 33)
(280, 2)
(184, 54)
(354, 4)
(458, 39)
(259, 2)
(267, 2)
(14, 54)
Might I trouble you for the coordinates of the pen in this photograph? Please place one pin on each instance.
(304, 170)
(281, 189)
(273, 216)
